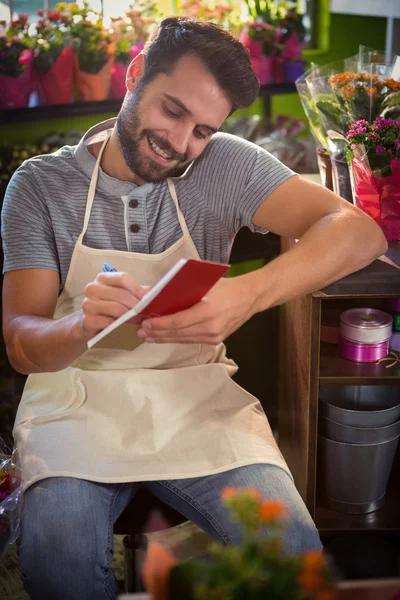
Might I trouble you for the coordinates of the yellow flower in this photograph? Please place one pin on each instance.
(73, 8)
(61, 6)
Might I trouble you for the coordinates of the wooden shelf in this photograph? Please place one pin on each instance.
(339, 371)
(111, 106)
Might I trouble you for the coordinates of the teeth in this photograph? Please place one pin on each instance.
(158, 150)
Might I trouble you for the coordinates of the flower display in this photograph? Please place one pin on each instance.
(134, 27)
(225, 13)
(89, 39)
(259, 567)
(373, 152)
(14, 47)
(50, 38)
(381, 142)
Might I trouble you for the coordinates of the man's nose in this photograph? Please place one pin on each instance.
(180, 137)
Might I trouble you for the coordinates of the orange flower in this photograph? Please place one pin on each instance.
(310, 581)
(371, 91)
(253, 493)
(313, 560)
(228, 492)
(156, 570)
(271, 510)
(348, 91)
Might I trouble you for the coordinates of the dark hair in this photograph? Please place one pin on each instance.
(221, 53)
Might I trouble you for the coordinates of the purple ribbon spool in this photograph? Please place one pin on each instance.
(361, 353)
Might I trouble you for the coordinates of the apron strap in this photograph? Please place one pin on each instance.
(181, 218)
(92, 188)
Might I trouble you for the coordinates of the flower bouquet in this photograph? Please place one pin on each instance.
(259, 568)
(15, 64)
(53, 59)
(94, 53)
(360, 87)
(10, 500)
(130, 34)
(374, 155)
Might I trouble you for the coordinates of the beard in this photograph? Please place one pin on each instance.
(130, 135)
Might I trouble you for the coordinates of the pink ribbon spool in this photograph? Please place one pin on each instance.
(358, 352)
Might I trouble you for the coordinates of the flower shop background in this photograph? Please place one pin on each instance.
(19, 140)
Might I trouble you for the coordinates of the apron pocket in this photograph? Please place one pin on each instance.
(48, 396)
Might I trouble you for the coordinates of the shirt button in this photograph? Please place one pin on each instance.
(133, 203)
(135, 228)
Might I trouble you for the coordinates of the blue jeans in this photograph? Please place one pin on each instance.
(66, 542)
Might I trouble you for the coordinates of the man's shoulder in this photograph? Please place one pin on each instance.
(59, 161)
(228, 143)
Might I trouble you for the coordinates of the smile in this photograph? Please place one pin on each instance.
(157, 150)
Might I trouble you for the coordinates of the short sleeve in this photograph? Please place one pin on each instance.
(26, 229)
(235, 177)
(267, 174)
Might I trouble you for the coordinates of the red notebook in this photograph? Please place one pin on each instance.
(185, 284)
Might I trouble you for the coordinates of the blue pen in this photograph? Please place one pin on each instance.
(107, 268)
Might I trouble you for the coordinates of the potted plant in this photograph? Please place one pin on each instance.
(258, 568)
(15, 63)
(130, 34)
(373, 152)
(293, 34)
(94, 53)
(53, 60)
(263, 43)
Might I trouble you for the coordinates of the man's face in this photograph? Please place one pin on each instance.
(167, 124)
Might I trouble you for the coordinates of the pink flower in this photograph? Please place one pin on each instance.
(380, 149)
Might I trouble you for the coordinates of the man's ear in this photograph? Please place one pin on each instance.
(135, 71)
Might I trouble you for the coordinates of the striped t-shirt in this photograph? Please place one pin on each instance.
(45, 202)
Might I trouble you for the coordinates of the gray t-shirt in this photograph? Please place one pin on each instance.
(45, 201)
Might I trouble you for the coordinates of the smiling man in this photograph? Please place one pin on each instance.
(153, 405)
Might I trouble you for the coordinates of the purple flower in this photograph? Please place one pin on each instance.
(374, 136)
(397, 143)
(380, 149)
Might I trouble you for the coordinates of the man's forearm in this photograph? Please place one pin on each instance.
(331, 249)
(45, 345)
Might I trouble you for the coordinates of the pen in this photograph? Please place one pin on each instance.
(107, 268)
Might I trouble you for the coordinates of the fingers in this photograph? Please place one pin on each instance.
(175, 329)
(107, 298)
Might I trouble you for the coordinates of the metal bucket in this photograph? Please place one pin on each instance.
(357, 435)
(353, 477)
(360, 405)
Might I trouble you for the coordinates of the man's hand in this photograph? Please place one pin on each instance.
(226, 307)
(107, 298)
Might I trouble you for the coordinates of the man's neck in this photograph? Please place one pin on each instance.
(113, 162)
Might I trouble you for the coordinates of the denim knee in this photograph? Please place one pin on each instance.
(66, 542)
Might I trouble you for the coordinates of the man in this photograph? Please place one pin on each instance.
(153, 404)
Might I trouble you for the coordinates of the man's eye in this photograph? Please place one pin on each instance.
(199, 134)
(170, 113)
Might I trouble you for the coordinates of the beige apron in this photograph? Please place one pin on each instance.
(127, 410)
